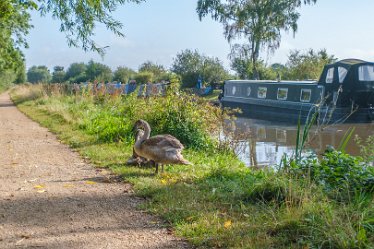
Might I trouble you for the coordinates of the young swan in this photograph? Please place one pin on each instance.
(161, 149)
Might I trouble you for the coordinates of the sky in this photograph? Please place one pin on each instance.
(157, 30)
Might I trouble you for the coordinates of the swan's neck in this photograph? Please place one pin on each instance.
(142, 136)
(147, 131)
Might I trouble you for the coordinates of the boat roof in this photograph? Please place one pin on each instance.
(350, 62)
(274, 81)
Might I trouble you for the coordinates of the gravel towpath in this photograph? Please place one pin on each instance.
(51, 198)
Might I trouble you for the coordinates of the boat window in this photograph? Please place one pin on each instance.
(261, 92)
(366, 73)
(261, 133)
(305, 95)
(248, 91)
(330, 75)
(233, 90)
(342, 71)
(282, 93)
(281, 135)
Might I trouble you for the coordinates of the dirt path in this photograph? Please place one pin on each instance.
(50, 198)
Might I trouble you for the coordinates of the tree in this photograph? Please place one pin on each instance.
(38, 74)
(154, 68)
(244, 69)
(260, 22)
(192, 66)
(14, 24)
(78, 20)
(307, 65)
(144, 77)
(76, 73)
(58, 74)
(123, 74)
(98, 72)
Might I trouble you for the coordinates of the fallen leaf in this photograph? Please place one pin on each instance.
(68, 186)
(90, 182)
(227, 224)
(25, 236)
(163, 181)
(41, 191)
(39, 186)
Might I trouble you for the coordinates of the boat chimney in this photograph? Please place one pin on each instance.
(278, 77)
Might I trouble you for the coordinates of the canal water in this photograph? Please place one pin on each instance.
(262, 143)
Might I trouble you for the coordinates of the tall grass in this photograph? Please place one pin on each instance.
(218, 202)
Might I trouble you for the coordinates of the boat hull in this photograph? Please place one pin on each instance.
(291, 112)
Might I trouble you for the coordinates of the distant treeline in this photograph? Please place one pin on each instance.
(188, 68)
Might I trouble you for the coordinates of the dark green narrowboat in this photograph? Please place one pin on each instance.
(344, 93)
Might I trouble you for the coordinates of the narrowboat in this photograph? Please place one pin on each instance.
(343, 93)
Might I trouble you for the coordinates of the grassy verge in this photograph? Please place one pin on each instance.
(217, 202)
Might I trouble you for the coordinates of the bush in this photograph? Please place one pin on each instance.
(144, 77)
(341, 171)
(336, 171)
(192, 121)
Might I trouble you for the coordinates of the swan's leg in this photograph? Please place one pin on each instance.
(156, 164)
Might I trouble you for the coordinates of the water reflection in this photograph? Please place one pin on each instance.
(263, 143)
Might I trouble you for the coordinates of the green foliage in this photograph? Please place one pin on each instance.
(366, 148)
(144, 77)
(78, 21)
(38, 74)
(98, 72)
(14, 25)
(58, 75)
(337, 171)
(180, 115)
(123, 74)
(6, 79)
(76, 73)
(154, 68)
(111, 118)
(308, 65)
(191, 66)
(341, 171)
(259, 22)
(244, 69)
(169, 77)
(107, 124)
(176, 115)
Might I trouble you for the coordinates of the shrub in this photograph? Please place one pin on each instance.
(341, 171)
(144, 77)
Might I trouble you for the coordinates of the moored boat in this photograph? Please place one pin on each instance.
(344, 93)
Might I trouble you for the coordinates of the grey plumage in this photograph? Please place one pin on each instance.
(161, 149)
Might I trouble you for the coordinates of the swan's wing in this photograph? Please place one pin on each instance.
(163, 141)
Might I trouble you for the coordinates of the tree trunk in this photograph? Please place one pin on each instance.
(255, 56)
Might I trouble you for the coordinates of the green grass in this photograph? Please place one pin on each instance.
(213, 96)
(217, 202)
